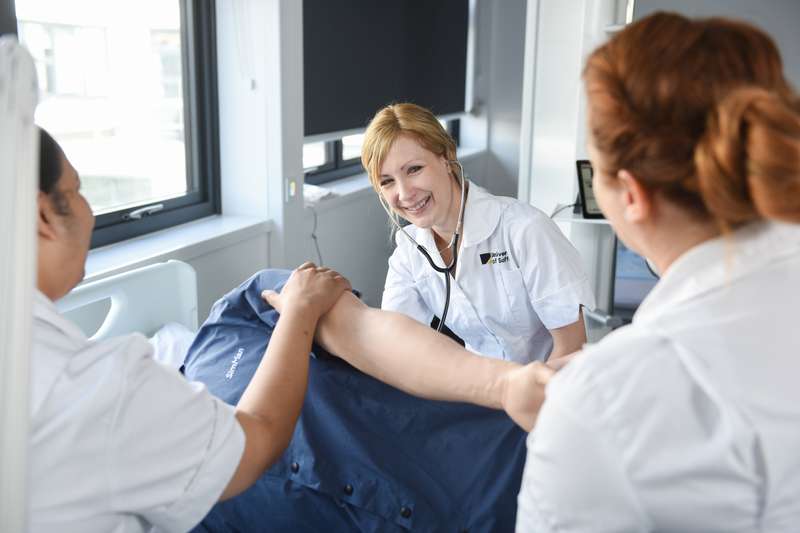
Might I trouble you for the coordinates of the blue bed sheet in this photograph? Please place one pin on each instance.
(364, 456)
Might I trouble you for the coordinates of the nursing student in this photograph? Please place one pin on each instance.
(119, 442)
(517, 284)
(686, 419)
(689, 418)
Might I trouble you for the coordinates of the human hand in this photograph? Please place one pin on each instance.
(310, 290)
(523, 395)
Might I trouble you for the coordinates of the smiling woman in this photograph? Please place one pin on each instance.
(517, 283)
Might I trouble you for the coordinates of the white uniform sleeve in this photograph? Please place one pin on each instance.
(574, 478)
(400, 292)
(173, 447)
(551, 267)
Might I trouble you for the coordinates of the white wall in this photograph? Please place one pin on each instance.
(353, 237)
(497, 92)
(560, 35)
(504, 107)
(779, 18)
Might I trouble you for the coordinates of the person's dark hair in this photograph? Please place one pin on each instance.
(699, 111)
(51, 166)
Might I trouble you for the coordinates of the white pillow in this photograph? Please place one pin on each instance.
(170, 344)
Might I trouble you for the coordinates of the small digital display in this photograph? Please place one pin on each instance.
(588, 201)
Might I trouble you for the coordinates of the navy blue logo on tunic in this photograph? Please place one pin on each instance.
(491, 258)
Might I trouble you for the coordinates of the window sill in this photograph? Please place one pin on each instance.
(347, 189)
(183, 242)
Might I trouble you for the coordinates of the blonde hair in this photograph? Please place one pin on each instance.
(398, 119)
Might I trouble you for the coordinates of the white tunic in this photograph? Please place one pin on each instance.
(120, 442)
(688, 419)
(517, 277)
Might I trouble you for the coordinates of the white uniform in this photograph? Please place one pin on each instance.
(517, 277)
(688, 419)
(120, 442)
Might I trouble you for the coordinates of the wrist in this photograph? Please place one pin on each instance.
(502, 387)
(301, 311)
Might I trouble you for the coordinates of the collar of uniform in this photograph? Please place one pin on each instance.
(718, 262)
(481, 215)
(44, 309)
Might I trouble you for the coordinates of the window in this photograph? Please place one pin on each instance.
(129, 91)
(327, 161)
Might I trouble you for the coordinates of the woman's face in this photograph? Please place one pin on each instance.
(418, 186)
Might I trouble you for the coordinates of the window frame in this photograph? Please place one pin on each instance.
(201, 137)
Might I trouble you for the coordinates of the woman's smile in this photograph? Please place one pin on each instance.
(419, 207)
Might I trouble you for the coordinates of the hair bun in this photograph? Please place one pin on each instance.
(748, 160)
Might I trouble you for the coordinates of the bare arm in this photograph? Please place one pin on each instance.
(568, 339)
(408, 355)
(412, 357)
(269, 407)
(405, 354)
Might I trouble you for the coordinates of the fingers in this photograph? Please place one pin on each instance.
(308, 272)
(270, 296)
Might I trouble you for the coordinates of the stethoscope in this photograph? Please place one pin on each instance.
(453, 244)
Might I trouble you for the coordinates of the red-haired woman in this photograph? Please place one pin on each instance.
(689, 418)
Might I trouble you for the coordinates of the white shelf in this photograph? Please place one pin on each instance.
(568, 216)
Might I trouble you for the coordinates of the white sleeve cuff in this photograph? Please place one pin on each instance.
(561, 307)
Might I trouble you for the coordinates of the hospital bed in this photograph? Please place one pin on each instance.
(364, 456)
(158, 301)
(143, 300)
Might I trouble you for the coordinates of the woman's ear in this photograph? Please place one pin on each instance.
(47, 218)
(637, 200)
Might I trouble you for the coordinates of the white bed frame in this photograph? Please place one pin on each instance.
(142, 300)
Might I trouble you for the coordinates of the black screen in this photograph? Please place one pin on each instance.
(360, 55)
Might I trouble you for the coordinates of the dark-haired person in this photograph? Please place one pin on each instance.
(689, 418)
(119, 442)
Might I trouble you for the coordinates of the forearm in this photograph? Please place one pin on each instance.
(410, 356)
(277, 389)
(568, 339)
(271, 403)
